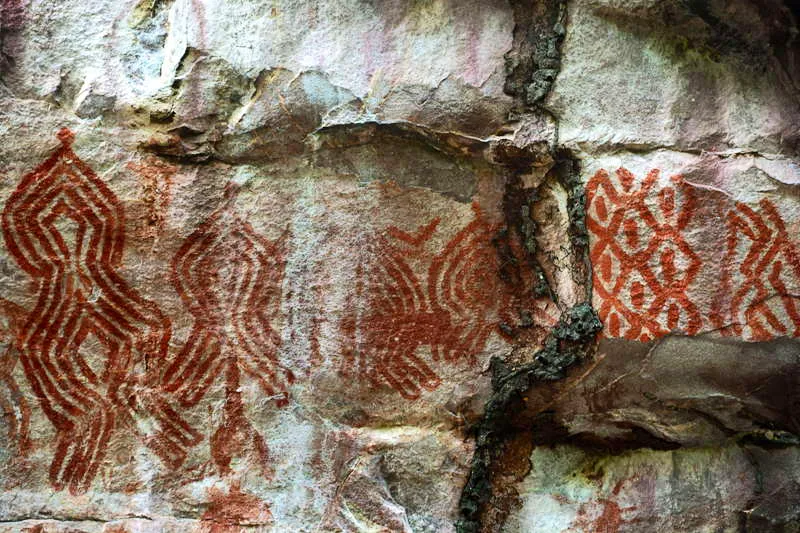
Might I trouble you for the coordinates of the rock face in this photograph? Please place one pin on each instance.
(399, 266)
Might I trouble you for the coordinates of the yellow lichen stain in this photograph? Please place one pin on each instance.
(141, 12)
(427, 16)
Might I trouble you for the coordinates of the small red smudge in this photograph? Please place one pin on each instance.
(229, 512)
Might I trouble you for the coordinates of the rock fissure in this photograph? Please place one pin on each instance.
(567, 344)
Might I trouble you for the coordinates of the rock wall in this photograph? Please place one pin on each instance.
(378, 265)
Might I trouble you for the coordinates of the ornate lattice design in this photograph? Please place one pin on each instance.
(642, 263)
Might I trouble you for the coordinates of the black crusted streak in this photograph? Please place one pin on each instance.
(567, 344)
(535, 59)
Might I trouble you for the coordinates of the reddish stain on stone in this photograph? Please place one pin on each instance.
(16, 412)
(230, 512)
(156, 182)
(611, 517)
(12, 21)
(637, 294)
(641, 249)
(116, 528)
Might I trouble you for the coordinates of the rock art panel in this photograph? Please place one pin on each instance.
(198, 366)
(65, 228)
(647, 262)
(448, 311)
(230, 278)
(642, 264)
(256, 293)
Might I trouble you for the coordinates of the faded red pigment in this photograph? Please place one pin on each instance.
(156, 179)
(452, 312)
(81, 295)
(232, 511)
(230, 278)
(610, 519)
(15, 409)
(770, 261)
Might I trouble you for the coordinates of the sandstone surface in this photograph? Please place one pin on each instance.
(377, 265)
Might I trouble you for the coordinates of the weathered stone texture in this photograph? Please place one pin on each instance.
(713, 76)
(344, 266)
(732, 488)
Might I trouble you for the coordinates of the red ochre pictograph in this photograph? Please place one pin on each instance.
(15, 409)
(452, 312)
(606, 515)
(642, 264)
(230, 279)
(766, 264)
(65, 228)
(226, 512)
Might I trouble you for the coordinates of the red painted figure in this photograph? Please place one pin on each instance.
(230, 278)
(65, 228)
(451, 313)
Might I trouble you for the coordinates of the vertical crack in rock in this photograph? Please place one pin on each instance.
(567, 172)
(518, 202)
(533, 62)
(567, 344)
(504, 437)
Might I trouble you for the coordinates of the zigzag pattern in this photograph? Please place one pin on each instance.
(65, 228)
(230, 279)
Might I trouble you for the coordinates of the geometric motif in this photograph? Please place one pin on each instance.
(92, 346)
(230, 278)
(762, 306)
(642, 264)
(451, 313)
